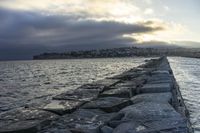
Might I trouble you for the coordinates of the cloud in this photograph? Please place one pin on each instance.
(107, 9)
(30, 27)
(149, 11)
(36, 32)
(166, 8)
(149, 2)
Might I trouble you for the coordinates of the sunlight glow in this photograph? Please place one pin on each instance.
(126, 11)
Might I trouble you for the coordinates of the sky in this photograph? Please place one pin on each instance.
(29, 27)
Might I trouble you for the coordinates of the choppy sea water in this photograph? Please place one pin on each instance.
(187, 73)
(22, 82)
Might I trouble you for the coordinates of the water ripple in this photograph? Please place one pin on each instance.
(21, 81)
(187, 73)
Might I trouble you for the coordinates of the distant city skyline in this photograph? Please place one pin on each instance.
(32, 27)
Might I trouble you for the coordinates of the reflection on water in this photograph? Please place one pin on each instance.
(187, 73)
(22, 81)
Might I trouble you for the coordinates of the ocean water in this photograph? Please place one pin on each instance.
(23, 82)
(187, 74)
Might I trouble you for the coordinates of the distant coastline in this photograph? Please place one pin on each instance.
(121, 52)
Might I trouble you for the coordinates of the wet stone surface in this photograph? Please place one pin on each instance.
(156, 88)
(123, 92)
(160, 72)
(108, 104)
(129, 84)
(156, 81)
(132, 74)
(62, 107)
(126, 76)
(149, 111)
(153, 97)
(98, 88)
(25, 120)
(55, 130)
(107, 82)
(78, 94)
(28, 126)
(160, 126)
(82, 121)
(160, 77)
(149, 117)
(124, 89)
(106, 129)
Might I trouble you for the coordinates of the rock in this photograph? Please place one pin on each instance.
(149, 117)
(154, 81)
(160, 72)
(98, 88)
(29, 126)
(126, 76)
(108, 104)
(157, 78)
(85, 92)
(139, 81)
(153, 97)
(107, 82)
(174, 125)
(123, 92)
(161, 126)
(161, 75)
(156, 88)
(83, 121)
(148, 111)
(26, 114)
(116, 120)
(128, 127)
(106, 129)
(132, 74)
(25, 120)
(54, 130)
(78, 94)
(62, 107)
(129, 84)
(88, 113)
(124, 89)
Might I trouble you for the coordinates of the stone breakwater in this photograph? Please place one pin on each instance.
(145, 99)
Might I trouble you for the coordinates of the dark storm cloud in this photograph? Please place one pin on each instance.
(28, 33)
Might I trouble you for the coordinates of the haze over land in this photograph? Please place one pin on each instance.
(28, 28)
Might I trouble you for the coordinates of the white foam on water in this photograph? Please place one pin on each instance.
(187, 74)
